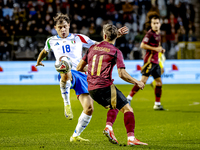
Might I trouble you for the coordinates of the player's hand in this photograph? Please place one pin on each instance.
(159, 49)
(122, 31)
(163, 50)
(140, 84)
(39, 64)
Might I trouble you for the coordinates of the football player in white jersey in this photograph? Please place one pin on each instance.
(70, 45)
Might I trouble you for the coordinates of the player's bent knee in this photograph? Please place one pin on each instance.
(159, 83)
(126, 108)
(89, 110)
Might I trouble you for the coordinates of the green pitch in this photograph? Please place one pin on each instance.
(32, 117)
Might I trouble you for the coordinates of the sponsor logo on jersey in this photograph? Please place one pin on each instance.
(57, 44)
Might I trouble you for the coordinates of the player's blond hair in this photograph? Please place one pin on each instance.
(59, 18)
(110, 31)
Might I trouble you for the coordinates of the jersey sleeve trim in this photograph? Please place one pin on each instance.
(48, 44)
(82, 39)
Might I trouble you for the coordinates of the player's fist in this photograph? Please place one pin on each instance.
(122, 31)
(140, 84)
(163, 50)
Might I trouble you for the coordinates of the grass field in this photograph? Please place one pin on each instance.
(31, 117)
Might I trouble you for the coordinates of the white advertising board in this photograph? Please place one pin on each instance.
(25, 72)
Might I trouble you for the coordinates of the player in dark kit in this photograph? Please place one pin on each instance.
(151, 42)
(101, 59)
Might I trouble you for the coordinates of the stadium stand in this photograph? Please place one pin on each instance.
(25, 25)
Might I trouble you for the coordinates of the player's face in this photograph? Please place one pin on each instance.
(62, 29)
(155, 24)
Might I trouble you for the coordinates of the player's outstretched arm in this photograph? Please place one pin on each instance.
(146, 46)
(42, 55)
(82, 66)
(121, 31)
(126, 77)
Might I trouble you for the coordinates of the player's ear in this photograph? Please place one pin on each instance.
(104, 36)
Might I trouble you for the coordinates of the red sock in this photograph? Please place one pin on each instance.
(111, 116)
(158, 92)
(129, 122)
(134, 90)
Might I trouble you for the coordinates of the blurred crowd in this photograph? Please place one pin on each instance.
(25, 25)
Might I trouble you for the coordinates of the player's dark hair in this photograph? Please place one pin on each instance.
(154, 17)
(110, 31)
(150, 15)
(59, 18)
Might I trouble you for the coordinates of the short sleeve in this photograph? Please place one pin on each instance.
(87, 42)
(120, 60)
(147, 38)
(47, 46)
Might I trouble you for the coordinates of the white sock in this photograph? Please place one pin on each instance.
(129, 97)
(83, 121)
(157, 103)
(65, 91)
(132, 138)
(109, 127)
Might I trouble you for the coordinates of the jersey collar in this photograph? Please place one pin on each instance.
(66, 37)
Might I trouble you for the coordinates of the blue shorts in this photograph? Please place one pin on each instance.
(79, 82)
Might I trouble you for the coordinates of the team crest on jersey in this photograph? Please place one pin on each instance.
(73, 41)
(146, 39)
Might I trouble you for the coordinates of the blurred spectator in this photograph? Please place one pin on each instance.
(7, 11)
(182, 34)
(127, 7)
(92, 30)
(19, 19)
(110, 9)
(191, 36)
(65, 6)
(84, 31)
(136, 50)
(162, 8)
(4, 51)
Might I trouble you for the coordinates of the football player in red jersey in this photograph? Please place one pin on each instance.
(101, 59)
(151, 42)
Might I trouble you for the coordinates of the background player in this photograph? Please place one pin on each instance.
(151, 42)
(161, 60)
(67, 44)
(101, 59)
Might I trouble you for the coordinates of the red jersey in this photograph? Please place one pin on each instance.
(152, 39)
(101, 59)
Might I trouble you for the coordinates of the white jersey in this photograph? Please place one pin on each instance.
(71, 47)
